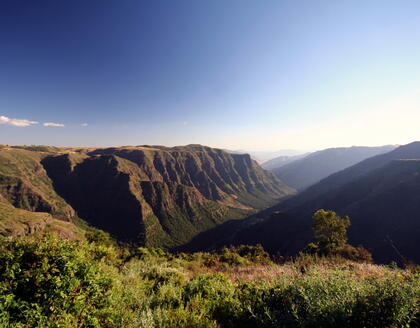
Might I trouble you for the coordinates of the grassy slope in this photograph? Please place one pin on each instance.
(16, 222)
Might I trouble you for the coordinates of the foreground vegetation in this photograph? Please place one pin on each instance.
(56, 283)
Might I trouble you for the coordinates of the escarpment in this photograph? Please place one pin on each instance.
(161, 196)
(20, 194)
(147, 195)
(99, 193)
(25, 184)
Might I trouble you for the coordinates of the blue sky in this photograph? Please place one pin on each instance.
(240, 74)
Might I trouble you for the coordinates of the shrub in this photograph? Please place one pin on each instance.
(99, 237)
(159, 275)
(215, 293)
(145, 254)
(255, 254)
(341, 300)
(356, 254)
(311, 248)
(230, 257)
(52, 283)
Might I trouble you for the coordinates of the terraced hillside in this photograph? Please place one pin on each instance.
(155, 196)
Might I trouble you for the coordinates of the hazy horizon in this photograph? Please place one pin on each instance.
(239, 75)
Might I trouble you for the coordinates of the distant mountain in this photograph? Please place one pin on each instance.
(281, 161)
(351, 173)
(149, 195)
(380, 194)
(312, 168)
(264, 156)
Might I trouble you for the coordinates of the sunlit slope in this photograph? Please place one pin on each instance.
(25, 184)
(15, 222)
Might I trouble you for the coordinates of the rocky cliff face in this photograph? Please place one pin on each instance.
(25, 184)
(27, 193)
(161, 196)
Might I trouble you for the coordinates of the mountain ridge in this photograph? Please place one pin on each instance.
(281, 161)
(303, 173)
(381, 196)
(149, 195)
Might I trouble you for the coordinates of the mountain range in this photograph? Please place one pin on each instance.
(303, 172)
(380, 194)
(197, 198)
(262, 156)
(148, 195)
(281, 161)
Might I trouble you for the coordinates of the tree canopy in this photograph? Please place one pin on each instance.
(330, 230)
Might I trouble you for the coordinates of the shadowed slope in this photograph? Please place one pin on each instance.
(162, 196)
(381, 196)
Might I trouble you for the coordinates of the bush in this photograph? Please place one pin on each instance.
(99, 237)
(145, 254)
(311, 249)
(230, 257)
(255, 254)
(242, 255)
(52, 283)
(158, 276)
(356, 254)
(341, 300)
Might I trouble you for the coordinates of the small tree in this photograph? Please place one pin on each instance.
(330, 230)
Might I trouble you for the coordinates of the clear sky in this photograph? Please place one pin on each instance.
(239, 74)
